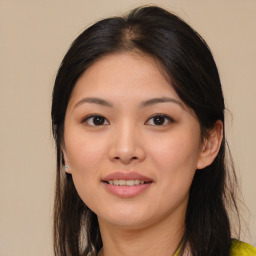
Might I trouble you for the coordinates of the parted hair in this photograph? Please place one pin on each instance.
(187, 60)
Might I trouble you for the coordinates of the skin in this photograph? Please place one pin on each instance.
(128, 140)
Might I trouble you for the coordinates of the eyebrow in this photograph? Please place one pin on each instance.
(146, 103)
(160, 100)
(95, 101)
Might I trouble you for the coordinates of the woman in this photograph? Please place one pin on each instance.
(138, 119)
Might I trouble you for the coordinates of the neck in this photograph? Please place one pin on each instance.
(160, 239)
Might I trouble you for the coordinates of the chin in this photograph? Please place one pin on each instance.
(125, 218)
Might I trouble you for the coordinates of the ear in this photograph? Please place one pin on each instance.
(211, 146)
(66, 160)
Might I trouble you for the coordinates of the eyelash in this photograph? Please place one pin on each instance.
(166, 117)
(91, 116)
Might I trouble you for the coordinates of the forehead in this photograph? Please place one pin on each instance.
(124, 74)
(135, 64)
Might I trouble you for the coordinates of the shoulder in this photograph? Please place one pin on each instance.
(239, 248)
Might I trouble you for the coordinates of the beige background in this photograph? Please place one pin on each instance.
(34, 35)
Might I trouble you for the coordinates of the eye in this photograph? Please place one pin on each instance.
(95, 120)
(159, 119)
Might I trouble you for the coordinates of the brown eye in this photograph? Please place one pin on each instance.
(96, 120)
(159, 120)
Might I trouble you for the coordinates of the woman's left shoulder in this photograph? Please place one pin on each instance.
(239, 248)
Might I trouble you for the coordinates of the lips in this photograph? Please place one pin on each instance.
(126, 176)
(126, 184)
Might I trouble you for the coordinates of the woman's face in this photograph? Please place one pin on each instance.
(126, 126)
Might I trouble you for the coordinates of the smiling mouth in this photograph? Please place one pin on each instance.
(127, 182)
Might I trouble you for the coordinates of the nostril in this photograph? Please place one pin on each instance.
(125, 159)
(134, 157)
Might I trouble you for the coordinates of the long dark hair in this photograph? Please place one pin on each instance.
(189, 63)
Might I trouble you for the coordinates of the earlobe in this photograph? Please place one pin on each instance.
(211, 146)
(67, 168)
(66, 161)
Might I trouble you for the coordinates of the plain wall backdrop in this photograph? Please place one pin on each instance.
(34, 36)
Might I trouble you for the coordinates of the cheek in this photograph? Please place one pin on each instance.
(84, 152)
(176, 159)
(175, 152)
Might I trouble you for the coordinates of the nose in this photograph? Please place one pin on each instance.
(127, 145)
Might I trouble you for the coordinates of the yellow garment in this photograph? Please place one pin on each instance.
(242, 249)
(238, 248)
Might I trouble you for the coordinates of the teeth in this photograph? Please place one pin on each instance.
(125, 182)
